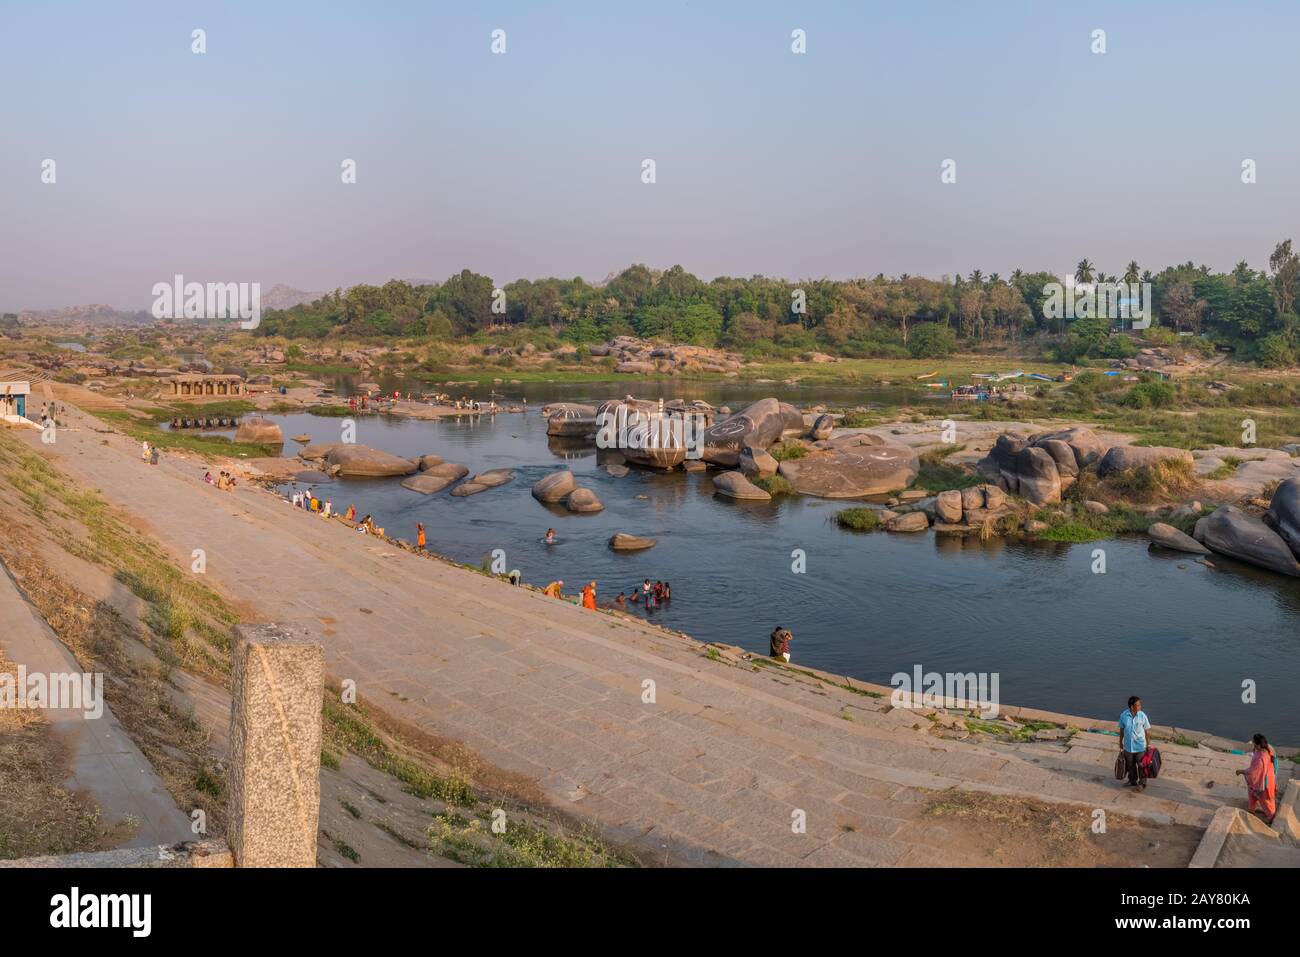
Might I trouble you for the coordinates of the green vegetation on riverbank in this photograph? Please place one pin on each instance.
(208, 446)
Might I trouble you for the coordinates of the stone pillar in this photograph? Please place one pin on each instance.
(277, 680)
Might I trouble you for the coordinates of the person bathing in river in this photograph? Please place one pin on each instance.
(619, 602)
(779, 643)
(1261, 779)
(550, 536)
(668, 591)
(1133, 726)
(589, 596)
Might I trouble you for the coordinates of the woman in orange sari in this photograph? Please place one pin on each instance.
(589, 596)
(1261, 781)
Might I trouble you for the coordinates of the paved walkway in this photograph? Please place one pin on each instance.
(106, 764)
(712, 771)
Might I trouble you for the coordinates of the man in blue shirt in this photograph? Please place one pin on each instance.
(1133, 725)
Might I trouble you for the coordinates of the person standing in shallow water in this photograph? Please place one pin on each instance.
(1261, 779)
(419, 536)
(779, 643)
(1133, 727)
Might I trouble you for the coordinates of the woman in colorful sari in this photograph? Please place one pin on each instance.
(1261, 780)
(589, 596)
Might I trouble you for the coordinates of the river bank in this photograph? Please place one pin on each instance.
(710, 771)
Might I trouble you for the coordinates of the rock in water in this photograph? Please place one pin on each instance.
(493, 477)
(758, 426)
(1232, 532)
(260, 431)
(853, 466)
(583, 500)
(554, 487)
(448, 470)
(908, 522)
(1167, 536)
(426, 462)
(972, 498)
(1283, 515)
(822, 427)
(426, 484)
(469, 488)
(362, 460)
(757, 462)
(623, 542)
(1122, 457)
(572, 421)
(303, 438)
(735, 485)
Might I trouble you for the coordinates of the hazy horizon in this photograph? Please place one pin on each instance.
(225, 166)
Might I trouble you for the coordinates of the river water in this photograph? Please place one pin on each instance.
(1182, 635)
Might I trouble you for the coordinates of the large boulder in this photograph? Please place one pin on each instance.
(1232, 532)
(948, 506)
(362, 460)
(572, 421)
(857, 465)
(623, 542)
(583, 500)
(1066, 464)
(792, 419)
(1122, 457)
(260, 431)
(425, 483)
(1083, 442)
(822, 427)
(1000, 464)
(554, 487)
(756, 462)
(426, 462)
(1166, 536)
(448, 470)
(735, 485)
(994, 497)
(1283, 515)
(972, 497)
(758, 426)
(1037, 478)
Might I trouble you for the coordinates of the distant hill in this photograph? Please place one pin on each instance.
(95, 314)
(281, 296)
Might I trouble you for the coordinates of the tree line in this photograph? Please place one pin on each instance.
(1249, 311)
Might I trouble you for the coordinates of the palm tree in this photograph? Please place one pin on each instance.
(1131, 272)
(977, 278)
(1083, 272)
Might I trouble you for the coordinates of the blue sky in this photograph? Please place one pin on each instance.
(226, 166)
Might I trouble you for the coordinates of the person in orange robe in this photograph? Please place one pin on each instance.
(1261, 780)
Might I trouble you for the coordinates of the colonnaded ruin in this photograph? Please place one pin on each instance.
(198, 384)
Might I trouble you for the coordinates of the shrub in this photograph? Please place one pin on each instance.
(931, 340)
(858, 519)
(784, 451)
(1150, 395)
